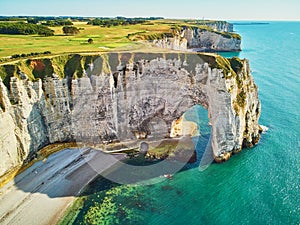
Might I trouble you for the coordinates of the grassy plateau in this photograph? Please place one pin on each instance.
(105, 39)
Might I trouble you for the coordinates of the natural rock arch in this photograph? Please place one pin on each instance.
(103, 98)
(166, 87)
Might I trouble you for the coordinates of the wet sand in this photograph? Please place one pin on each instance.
(41, 194)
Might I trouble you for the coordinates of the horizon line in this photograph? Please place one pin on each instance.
(174, 18)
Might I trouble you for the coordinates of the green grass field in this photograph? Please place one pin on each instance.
(104, 39)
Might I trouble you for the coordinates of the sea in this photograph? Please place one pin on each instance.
(259, 186)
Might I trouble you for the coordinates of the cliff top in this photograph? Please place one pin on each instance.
(116, 35)
(77, 65)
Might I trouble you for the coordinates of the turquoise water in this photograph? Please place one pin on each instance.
(257, 186)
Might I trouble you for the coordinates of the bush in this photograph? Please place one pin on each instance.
(69, 30)
(15, 56)
(23, 55)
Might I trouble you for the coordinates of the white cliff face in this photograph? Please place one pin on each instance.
(30, 119)
(246, 106)
(123, 97)
(176, 43)
(200, 40)
(221, 26)
(8, 142)
(234, 118)
(55, 110)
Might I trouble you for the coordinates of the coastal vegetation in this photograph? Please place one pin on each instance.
(229, 66)
(43, 64)
(108, 22)
(25, 29)
(16, 56)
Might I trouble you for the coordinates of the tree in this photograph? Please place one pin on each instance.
(69, 30)
(46, 32)
(58, 22)
(32, 20)
(24, 28)
(90, 41)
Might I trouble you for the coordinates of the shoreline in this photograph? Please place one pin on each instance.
(41, 154)
(42, 193)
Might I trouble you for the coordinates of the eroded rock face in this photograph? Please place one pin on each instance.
(199, 40)
(176, 43)
(126, 96)
(221, 26)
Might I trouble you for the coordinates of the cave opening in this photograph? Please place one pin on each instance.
(190, 132)
(201, 137)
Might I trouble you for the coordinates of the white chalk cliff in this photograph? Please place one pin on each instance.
(114, 97)
(199, 39)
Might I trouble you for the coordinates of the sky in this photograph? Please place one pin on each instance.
(191, 9)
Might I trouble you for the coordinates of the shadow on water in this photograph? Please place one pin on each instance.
(149, 172)
(140, 161)
(64, 173)
(134, 203)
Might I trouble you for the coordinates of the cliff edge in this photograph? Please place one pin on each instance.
(214, 37)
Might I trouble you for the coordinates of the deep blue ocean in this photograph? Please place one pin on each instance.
(258, 186)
